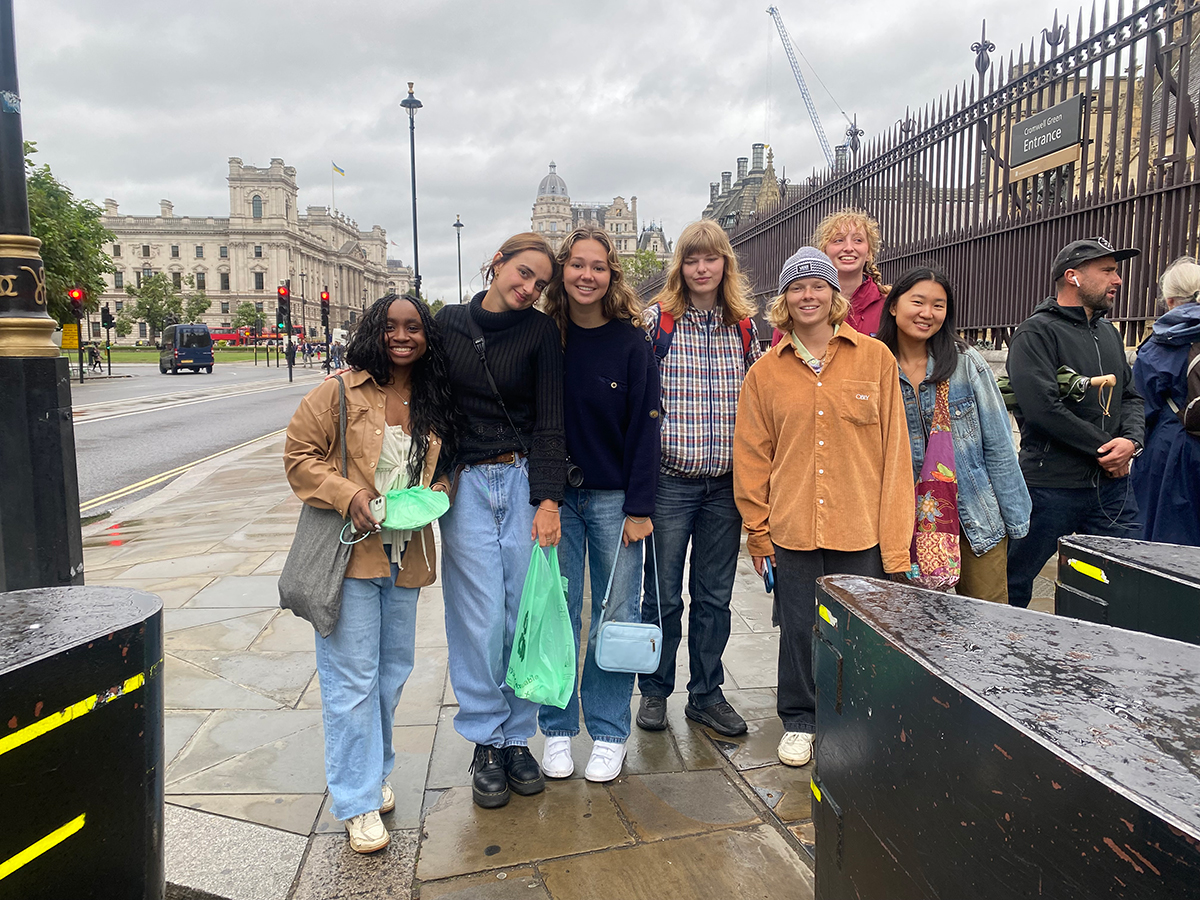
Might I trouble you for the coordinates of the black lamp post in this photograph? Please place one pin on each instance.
(458, 227)
(412, 104)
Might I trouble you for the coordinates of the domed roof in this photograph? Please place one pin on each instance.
(552, 185)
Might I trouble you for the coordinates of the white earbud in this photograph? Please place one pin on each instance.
(1075, 279)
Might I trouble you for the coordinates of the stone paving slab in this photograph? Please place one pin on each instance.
(228, 733)
(282, 676)
(238, 590)
(333, 870)
(190, 687)
(513, 884)
(287, 812)
(680, 803)
(291, 764)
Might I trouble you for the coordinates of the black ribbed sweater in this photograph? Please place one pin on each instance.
(524, 353)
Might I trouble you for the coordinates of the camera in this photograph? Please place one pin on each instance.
(574, 474)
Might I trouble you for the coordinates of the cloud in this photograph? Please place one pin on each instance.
(146, 100)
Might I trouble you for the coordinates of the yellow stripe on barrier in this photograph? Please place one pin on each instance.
(827, 615)
(1088, 569)
(32, 852)
(816, 790)
(72, 712)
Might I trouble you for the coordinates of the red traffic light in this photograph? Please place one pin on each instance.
(283, 292)
(324, 296)
(76, 295)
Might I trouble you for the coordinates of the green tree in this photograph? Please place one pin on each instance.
(246, 316)
(156, 303)
(436, 306)
(641, 265)
(72, 236)
(195, 303)
(123, 326)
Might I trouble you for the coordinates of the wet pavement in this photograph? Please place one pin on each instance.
(693, 813)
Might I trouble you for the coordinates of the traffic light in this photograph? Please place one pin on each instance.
(283, 312)
(106, 317)
(75, 295)
(325, 308)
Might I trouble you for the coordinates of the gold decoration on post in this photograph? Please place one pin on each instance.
(26, 328)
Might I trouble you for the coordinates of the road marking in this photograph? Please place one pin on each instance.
(33, 851)
(137, 412)
(90, 505)
(71, 713)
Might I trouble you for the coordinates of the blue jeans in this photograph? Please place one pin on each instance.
(486, 550)
(1107, 509)
(702, 511)
(592, 522)
(363, 665)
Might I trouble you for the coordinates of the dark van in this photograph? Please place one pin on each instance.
(185, 347)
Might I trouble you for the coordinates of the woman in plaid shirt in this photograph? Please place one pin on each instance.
(705, 341)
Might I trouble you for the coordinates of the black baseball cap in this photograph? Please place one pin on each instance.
(1083, 251)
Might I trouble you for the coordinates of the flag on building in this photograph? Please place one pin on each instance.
(337, 169)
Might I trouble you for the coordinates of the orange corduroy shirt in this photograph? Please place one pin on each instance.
(822, 461)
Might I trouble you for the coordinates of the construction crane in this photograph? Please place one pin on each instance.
(808, 101)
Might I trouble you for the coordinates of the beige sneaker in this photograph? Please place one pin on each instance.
(795, 748)
(389, 799)
(367, 833)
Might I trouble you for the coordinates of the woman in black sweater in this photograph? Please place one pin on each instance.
(511, 470)
(611, 398)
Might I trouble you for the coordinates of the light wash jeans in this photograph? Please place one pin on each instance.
(592, 522)
(485, 554)
(363, 665)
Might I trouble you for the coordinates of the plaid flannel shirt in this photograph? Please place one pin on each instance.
(701, 378)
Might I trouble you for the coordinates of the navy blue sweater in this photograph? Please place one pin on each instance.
(610, 408)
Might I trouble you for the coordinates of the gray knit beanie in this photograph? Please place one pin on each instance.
(808, 262)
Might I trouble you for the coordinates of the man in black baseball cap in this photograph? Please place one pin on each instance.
(1075, 453)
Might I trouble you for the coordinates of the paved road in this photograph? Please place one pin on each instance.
(130, 431)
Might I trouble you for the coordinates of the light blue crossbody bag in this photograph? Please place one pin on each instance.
(629, 646)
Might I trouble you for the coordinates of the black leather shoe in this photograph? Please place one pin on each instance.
(652, 713)
(720, 717)
(489, 786)
(524, 774)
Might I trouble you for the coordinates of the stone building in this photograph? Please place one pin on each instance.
(247, 255)
(555, 216)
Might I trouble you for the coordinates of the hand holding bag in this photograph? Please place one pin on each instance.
(311, 582)
(629, 646)
(936, 563)
(541, 667)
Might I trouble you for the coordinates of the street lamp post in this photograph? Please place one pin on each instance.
(303, 311)
(458, 227)
(412, 104)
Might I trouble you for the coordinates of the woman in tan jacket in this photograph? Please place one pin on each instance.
(821, 470)
(399, 433)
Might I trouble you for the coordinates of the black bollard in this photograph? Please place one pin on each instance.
(81, 744)
(972, 750)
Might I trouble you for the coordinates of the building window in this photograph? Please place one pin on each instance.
(258, 281)
(118, 281)
(95, 329)
(224, 253)
(352, 317)
(554, 226)
(120, 305)
(200, 281)
(116, 249)
(177, 279)
(224, 281)
(141, 329)
(225, 306)
(145, 249)
(256, 206)
(174, 251)
(258, 306)
(199, 251)
(258, 251)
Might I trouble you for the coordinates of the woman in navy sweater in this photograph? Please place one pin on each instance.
(611, 416)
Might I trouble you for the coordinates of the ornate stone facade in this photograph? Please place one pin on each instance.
(263, 242)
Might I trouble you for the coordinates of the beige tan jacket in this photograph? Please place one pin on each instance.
(822, 461)
(312, 458)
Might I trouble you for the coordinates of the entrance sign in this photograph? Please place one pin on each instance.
(1055, 131)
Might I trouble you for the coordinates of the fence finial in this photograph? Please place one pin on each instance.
(981, 49)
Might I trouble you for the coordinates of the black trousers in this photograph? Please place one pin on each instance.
(796, 574)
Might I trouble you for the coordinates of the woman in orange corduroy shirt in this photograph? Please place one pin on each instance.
(822, 472)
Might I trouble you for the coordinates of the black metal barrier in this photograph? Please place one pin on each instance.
(970, 751)
(81, 744)
(1139, 585)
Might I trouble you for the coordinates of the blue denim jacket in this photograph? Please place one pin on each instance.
(992, 498)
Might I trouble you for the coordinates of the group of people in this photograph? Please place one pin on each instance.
(556, 411)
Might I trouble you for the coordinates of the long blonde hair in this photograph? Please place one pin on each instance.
(845, 221)
(620, 301)
(780, 316)
(705, 237)
(519, 243)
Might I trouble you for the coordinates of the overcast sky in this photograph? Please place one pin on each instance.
(142, 101)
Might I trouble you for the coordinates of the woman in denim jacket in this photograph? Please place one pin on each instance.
(993, 502)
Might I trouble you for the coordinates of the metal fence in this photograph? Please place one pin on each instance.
(941, 187)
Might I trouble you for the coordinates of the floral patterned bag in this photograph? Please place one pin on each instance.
(936, 562)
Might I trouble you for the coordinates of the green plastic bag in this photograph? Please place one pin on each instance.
(413, 508)
(541, 667)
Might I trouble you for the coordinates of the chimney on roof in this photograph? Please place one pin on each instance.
(758, 157)
(725, 176)
(742, 164)
(714, 190)
(166, 208)
(110, 206)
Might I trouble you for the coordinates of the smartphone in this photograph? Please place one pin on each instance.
(378, 508)
(768, 574)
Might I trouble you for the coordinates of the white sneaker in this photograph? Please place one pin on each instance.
(795, 748)
(367, 833)
(389, 799)
(556, 760)
(605, 762)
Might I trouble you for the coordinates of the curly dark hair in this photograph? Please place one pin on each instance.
(432, 407)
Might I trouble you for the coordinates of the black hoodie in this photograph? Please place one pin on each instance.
(1059, 438)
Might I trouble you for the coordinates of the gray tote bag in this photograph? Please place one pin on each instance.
(311, 582)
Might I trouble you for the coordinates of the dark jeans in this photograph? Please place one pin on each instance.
(1108, 509)
(702, 511)
(796, 574)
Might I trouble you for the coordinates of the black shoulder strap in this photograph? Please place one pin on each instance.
(477, 340)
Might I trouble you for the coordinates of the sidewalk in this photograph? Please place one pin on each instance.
(694, 814)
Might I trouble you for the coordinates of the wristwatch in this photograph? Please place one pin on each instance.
(1137, 448)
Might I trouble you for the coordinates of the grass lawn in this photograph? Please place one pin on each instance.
(150, 355)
